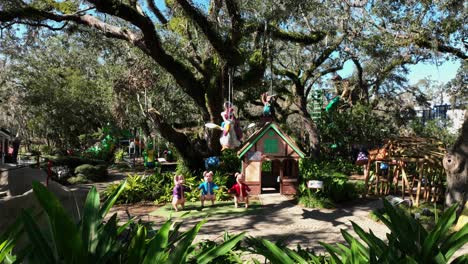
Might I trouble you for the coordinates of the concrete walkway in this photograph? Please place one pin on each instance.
(281, 219)
(278, 218)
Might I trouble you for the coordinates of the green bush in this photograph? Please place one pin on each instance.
(95, 240)
(77, 179)
(158, 188)
(229, 162)
(92, 172)
(118, 155)
(408, 241)
(313, 200)
(73, 161)
(334, 175)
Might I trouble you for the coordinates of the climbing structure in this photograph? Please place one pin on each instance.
(316, 104)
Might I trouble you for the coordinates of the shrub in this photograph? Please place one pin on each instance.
(158, 188)
(77, 179)
(91, 172)
(118, 155)
(335, 180)
(230, 163)
(73, 161)
(313, 200)
(95, 240)
(408, 241)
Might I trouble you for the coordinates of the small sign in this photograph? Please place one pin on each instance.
(315, 184)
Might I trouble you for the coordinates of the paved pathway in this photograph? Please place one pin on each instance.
(282, 219)
(278, 219)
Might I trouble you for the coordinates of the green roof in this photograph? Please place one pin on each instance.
(255, 137)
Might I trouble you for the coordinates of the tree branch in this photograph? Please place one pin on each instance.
(30, 13)
(312, 38)
(152, 6)
(227, 52)
(236, 22)
(425, 43)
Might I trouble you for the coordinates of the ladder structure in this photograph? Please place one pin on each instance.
(316, 104)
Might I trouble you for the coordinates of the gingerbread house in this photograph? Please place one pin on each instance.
(270, 161)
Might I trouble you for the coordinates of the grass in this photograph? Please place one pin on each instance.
(218, 209)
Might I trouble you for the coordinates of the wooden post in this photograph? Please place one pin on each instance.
(376, 179)
(281, 175)
(405, 181)
(366, 177)
(418, 190)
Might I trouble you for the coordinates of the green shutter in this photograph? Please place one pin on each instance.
(270, 145)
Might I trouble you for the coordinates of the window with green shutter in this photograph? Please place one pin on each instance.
(270, 145)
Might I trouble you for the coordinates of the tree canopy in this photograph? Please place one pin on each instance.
(167, 66)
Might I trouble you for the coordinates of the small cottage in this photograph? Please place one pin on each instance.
(270, 161)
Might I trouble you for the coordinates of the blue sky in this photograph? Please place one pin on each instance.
(442, 73)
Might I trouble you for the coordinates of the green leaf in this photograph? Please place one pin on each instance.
(220, 250)
(42, 251)
(137, 247)
(370, 239)
(9, 238)
(112, 199)
(463, 259)
(296, 257)
(107, 243)
(436, 236)
(333, 251)
(276, 255)
(66, 238)
(362, 249)
(180, 254)
(90, 221)
(455, 242)
(156, 252)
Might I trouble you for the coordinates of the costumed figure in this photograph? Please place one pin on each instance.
(228, 115)
(178, 192)
(207, 188)
(268, 101)
(240, 190)
(148, 155)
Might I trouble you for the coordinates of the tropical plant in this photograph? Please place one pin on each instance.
(336, 186)
(408, 241)
(96, 239)
(118, 155)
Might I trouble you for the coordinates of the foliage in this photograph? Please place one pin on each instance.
(356, 125)
(96, 240)
(77, 179)
(425, 213)
(229, 162)
(279, 253)
(335, 182)
(118, 155)
(408, 241)
(73, 161)
(92, 172)
(65, 94)
(434, 129)
(159, 188)
(315, 200)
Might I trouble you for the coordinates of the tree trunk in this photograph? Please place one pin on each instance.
(311, 128)
(312, 132)
(191, 154)
(456, 166)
